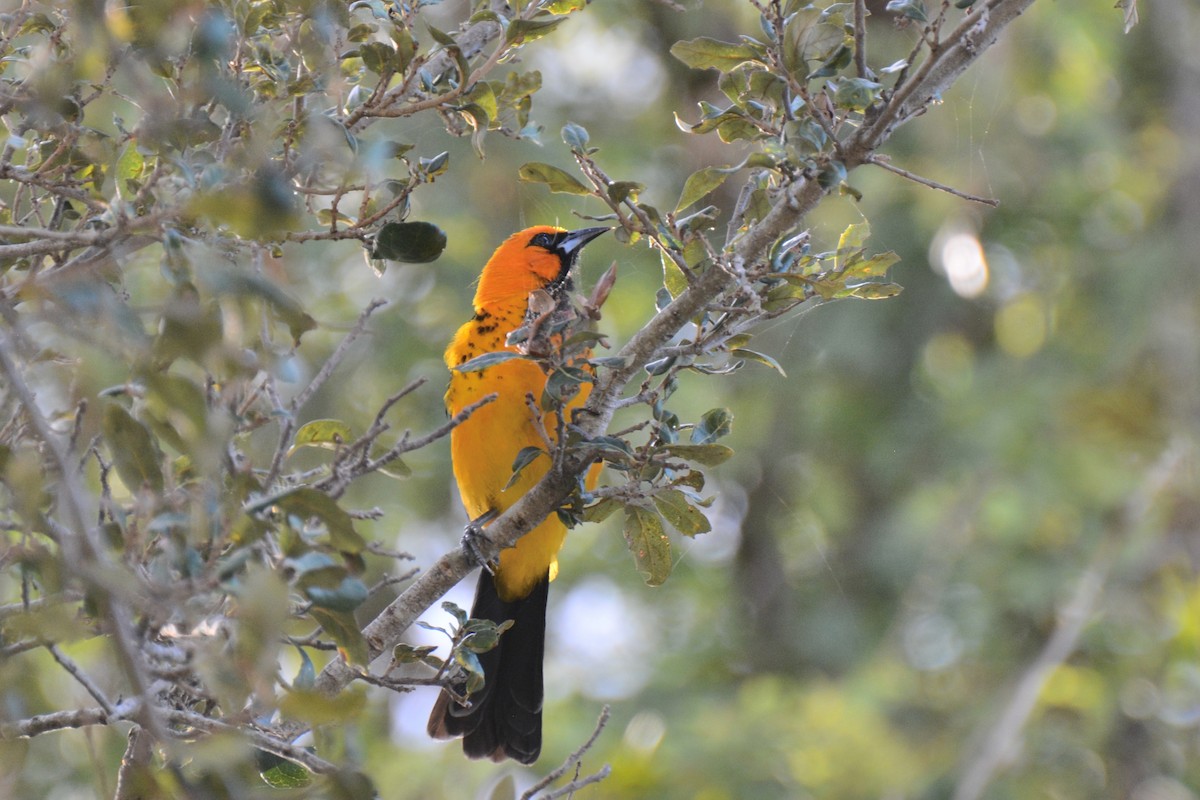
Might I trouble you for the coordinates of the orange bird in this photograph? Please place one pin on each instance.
(504, 719)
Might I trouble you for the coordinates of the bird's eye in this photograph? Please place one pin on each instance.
(542, 240)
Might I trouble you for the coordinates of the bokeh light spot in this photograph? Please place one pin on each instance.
(965, 264)
(947, 363)
(1021, 326)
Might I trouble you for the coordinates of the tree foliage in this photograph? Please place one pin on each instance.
(194, 461)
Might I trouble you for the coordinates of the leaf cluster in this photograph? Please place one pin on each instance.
(170, 495)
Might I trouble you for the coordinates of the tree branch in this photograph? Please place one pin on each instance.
(1002, 738)
(964, 46)
(134, 763)
(83, 552)
(74, 718)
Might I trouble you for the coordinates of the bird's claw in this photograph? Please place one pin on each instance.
(476, 543)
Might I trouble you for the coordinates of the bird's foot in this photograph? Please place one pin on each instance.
(476, 543)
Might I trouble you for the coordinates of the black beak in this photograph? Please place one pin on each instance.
(569, 244)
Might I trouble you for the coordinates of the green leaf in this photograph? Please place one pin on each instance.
(555, 179)
(410, 242)
(129, 167)
(524, 31)
(683, 516)
(612, 449)
(348, 595)
(856, 94)
(470, 665)
(360, 33)
(406, 48)
(525, 457)
(702, 219)
(341, 627)
(837, 61)
(484, 97)
(693, 479)
(620, 191)
(713, 425)
(912, 9)
(309, 503)
(699, 184)
(575, 136)
(805, 136)
(133, 449)
(288, 310)
(396, 469)
(832, 174)
(306, 676)
(484, 634)
(416, 654)
(455, 611)
(873, 291)
(324, 433)
(432, 167)
(38, 23)
(279, 773)
(852, 240)
(480, 363)
(761, 358)
(598, 512)
(649, 544)
(708, 455)
(566, 6)
(176, 410)
(874, 267)
(441, 37)
(312, 561)
(562, 385)
(706, 53)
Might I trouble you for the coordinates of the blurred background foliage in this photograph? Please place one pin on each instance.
(910, 510)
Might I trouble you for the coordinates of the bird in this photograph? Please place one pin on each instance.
(504, 718)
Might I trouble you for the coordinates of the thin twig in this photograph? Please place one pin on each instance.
(407, 445)
(335, 359)
(579, 783)
(81, 676)
(404, 684)
(387, 552)
(288, 425)
(571, 760)
(860, 38)
(258, 738)
(391, 580)
(881, 161)
(23, 646)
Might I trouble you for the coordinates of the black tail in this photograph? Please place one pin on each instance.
(504, 719)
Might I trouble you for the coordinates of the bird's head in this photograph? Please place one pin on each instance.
(540, 257)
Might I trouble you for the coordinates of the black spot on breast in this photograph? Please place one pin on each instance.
(481, 315)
